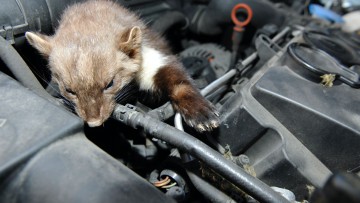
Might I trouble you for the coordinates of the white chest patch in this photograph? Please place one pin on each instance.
(153, 60)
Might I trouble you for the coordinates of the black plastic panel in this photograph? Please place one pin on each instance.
(28, 123)
(73, 170)
(45, 157)
(276, 169)
(324, 119)
(11, 14)
(238, 128)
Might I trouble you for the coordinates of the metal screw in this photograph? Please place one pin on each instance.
(242, 159)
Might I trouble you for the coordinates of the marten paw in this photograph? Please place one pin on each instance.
(199, 114)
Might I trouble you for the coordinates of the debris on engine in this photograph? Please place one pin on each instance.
(328, 79)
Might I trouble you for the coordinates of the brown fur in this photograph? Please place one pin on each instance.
(98, 42)
(88, 50)
(185, 98)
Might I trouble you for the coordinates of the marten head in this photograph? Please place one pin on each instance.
(91, 70)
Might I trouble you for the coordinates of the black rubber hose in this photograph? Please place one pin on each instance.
(169, 19)
(210, 20)
(163, 112)
(189, 144)
(20, 69)
(210, 192)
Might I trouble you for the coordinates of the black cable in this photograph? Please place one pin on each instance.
(189, 144)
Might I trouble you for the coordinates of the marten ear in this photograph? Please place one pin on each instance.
(130, 42)
(40, 42)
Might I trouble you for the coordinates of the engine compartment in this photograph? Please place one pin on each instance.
(287, 97)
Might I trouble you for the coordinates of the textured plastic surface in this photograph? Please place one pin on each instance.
(278, 157)
(294, 130)
(304, 129)
(324, 119)
(74, 170)
(28, 123)
(341, 187)
(11, 13)
(21, 16)
(45, 157)
(237, 121)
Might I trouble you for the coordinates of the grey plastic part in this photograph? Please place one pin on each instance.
(28, 123)
(278, 155)
(306, 130)
(45, 157)
(315, 114)
(75, 170)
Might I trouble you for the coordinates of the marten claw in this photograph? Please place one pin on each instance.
(200, 127)
(205, 119)
(196, 111)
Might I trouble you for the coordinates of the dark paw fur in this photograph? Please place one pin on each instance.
(199, 114)
(205, 121)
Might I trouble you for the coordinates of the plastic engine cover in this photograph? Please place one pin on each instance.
(45, 157)
(295, 130)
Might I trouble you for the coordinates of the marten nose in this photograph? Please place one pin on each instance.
(93, 115)
(94, 122)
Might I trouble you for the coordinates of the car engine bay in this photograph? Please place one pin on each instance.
(284, 78)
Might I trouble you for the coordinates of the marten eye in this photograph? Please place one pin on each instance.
(70, 91)
(111, 83)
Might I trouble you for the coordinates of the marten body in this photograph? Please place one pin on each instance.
(100, 47)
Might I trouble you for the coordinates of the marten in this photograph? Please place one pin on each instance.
(100, 47)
